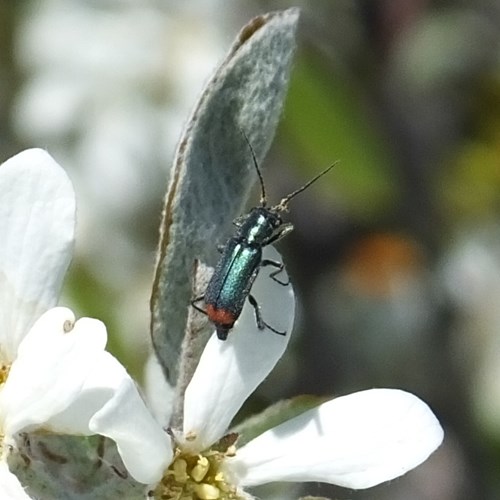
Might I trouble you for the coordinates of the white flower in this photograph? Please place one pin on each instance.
(356, 441)
(54, 372)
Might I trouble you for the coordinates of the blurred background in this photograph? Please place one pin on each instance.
(396, 253)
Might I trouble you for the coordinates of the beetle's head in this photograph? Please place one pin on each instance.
(222, 332)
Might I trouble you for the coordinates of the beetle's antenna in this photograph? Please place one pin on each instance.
(283, 204)
(263, 199)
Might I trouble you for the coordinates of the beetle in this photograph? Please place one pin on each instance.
(241, 260)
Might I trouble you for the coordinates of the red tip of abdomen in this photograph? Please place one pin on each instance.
(221, 317)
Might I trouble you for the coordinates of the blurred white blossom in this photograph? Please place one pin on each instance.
(471, 275)
(108, 86)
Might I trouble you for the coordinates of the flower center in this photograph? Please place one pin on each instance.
(198, 476)
(4, 373)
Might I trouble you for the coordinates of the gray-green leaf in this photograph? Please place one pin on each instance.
(212, 173)
(273, 416)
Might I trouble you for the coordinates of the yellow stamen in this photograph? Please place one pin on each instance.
(197, 477)
(200, 470)
(179, 468)
(207, 491)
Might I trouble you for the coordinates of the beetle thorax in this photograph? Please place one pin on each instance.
(260, 225)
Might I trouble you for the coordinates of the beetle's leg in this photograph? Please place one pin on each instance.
(261, 324)
(283, 230)
(198, 308)
(280, 266)
(258, 316)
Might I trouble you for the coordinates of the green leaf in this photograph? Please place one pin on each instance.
(314, 498)
(327, 123)
(274, 415)
(212, 173)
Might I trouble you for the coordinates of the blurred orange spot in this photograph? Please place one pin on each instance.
(380, 264)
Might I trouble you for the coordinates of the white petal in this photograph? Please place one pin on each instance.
(144, 447)
(229, 371)
(103, 381)
(158, 393)
(37, 218)
(10, 487)
(355, 441)
(51, 368)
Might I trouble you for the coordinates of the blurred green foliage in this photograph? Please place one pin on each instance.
(325, 121)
